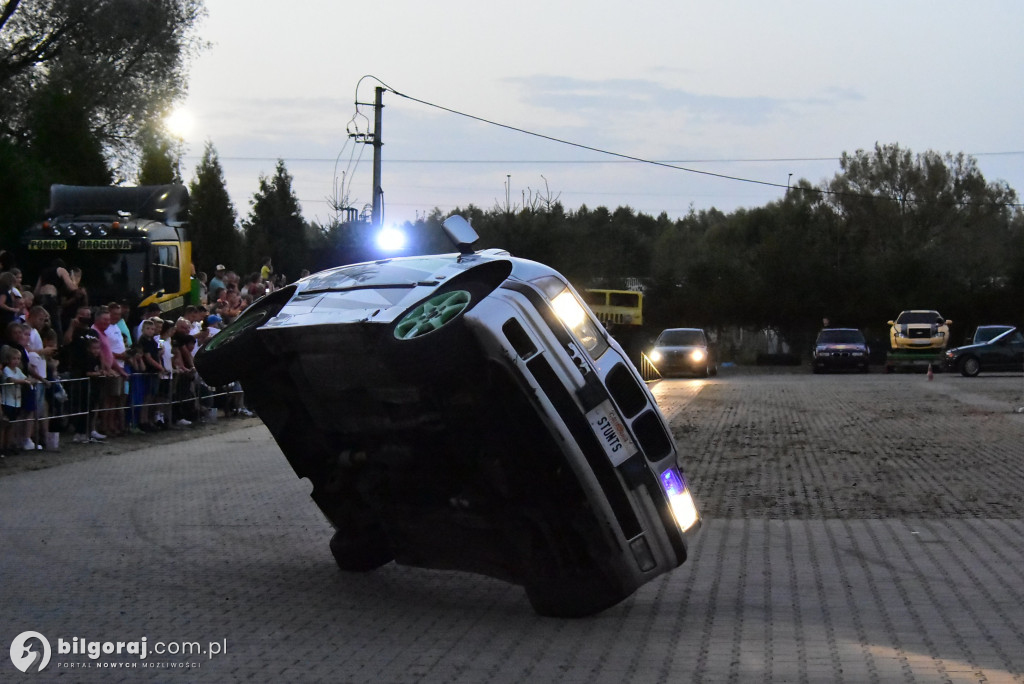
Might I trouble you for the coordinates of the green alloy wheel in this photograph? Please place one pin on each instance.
(432, 314)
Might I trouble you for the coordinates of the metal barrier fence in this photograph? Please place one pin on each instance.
(647, 369)
(140, 396)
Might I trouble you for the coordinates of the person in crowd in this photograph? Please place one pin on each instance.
(118, 316)
(113, 352)
(204, 287)
(18, 336)
(230, 305)
(151, 310)
(77, 297)
(217, 281)
(10, 305)
(150, 373)
(54, 283)
(54, 422)
(266, 270)
(211, 326)
(254, 287)
(86, 386)
(26, 302)
(163, 413)
(14, 381)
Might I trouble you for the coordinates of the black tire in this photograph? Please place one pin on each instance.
(970, 366)
(572, 598)
(362, 552)
(236, 350)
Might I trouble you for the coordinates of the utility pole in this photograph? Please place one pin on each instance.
(376, 211)
(378, 194)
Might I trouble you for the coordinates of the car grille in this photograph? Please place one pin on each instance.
(919, 333)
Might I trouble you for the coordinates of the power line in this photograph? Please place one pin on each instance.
(652, 162)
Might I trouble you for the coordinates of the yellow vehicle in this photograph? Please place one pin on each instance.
(130, 242)
(919, 329)
(616, 307)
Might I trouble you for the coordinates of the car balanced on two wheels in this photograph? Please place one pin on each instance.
(466, 411)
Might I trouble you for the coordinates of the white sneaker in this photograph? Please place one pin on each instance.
(246, 412)
(80, 439)
(181, 422)
(96, 435)
(28, 445)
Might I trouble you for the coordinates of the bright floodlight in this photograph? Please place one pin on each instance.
(390, 239)
(179, 122)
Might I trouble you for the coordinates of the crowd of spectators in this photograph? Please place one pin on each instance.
(70, 365)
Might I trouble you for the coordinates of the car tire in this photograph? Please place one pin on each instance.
(236, 350)
(574, 597)
(970, 366)
(362, 552)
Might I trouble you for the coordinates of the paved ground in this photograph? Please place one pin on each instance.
(858, 529)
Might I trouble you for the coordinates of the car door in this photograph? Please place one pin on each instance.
(1016, 349)
(1004, 354)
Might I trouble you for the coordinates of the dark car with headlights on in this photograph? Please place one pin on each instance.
(1004, 352)
(840, 349)
(467, 412)
(683, 351)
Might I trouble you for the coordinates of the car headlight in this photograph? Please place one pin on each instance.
(655, 356)
(697, 355)
(569, 309)
(683, 507)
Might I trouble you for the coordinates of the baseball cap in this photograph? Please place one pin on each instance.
(213, 319)
(221, 267)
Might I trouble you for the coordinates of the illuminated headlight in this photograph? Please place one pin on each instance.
(656, 356)
(697, 355)
(569, 309)
(683, 507)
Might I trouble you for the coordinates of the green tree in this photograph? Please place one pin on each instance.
(81, 81)
(275, 226)
(160, 158)
(125, 60)
(215, 239)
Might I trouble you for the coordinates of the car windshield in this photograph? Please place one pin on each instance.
(926, 317)
(681, 338)
(840, 337)
(990, 332)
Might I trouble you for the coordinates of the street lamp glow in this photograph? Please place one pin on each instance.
(179, 123)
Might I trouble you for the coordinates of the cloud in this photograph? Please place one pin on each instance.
(613, 96)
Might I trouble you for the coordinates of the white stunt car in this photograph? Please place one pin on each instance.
(467, 412)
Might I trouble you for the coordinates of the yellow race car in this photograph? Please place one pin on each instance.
(919, 329)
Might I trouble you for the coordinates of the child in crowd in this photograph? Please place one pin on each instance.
(151, 372)
(14, 380)
(55, 421)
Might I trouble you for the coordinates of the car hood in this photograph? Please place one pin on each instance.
(380, 291)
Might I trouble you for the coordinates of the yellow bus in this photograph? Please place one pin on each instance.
(616, 307)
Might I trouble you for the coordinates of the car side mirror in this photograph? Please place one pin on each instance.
(890, 323)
